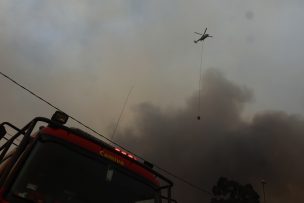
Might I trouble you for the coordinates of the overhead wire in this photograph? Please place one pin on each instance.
(109, 140)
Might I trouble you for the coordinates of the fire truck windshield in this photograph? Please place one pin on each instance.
(58, 173)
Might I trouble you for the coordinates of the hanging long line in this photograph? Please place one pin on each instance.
(200, 84)
(109, 140)
(122, 110)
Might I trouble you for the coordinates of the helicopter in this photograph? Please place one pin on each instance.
(203, 36)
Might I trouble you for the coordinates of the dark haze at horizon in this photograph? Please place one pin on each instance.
(222, 143)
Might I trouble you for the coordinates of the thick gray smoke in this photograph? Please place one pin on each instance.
(222, 143)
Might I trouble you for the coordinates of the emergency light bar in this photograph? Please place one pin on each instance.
(125, 153)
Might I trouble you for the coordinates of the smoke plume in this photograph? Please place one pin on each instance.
(222, 143)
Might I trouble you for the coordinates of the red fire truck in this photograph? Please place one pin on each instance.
(59, 164)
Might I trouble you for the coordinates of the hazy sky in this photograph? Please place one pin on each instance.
(85, 56)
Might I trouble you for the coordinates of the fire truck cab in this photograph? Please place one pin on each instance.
(59, 164)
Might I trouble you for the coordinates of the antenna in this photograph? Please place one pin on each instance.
(120, 115)
(185, 181)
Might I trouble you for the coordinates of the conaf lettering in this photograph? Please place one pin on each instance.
(112, 158)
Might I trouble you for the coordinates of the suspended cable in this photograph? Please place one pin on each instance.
(109, 140)
(200, 85)
(202, 39)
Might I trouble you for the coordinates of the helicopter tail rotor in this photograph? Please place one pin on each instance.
(205, 31)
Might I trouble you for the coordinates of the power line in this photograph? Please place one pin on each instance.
(109, 140)
(185, 181)
(30, 91)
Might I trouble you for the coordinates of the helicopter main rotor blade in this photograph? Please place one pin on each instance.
(205, 31)
(197, 33)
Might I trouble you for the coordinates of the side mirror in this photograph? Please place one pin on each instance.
(2, 131)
